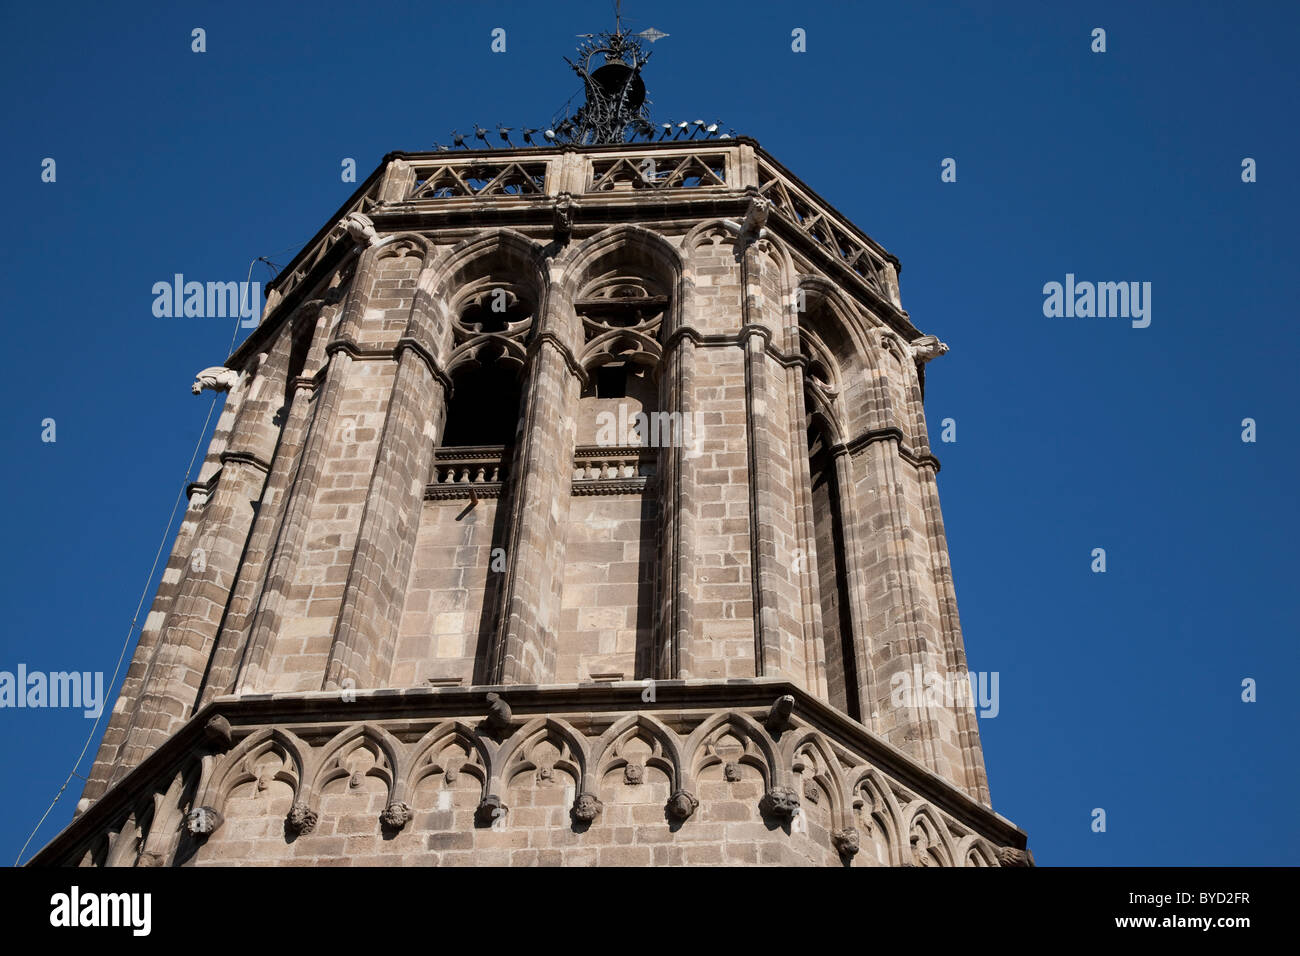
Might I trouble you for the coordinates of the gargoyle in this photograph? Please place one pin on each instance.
(216, 377)
(499, 715)
(778, 717)
(563, 217)
(361, 228)
(755, 218)
(927, 347)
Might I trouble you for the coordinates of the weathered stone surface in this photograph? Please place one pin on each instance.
(634, 444)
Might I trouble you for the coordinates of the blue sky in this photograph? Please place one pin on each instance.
(1119, 691)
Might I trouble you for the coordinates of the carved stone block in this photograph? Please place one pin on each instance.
(302, 818)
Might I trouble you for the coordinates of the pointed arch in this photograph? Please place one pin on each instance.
(472, 353)
(828, 778)
(768, 763)
(898, 380)
(436, 740)
(974, 850)
(602, 758)
(884, 813)
(232, 769)
(399, 245)
(507, 247)
(920, 816)
(726, 230)
(329, 765)
(620, 345)
(535, 731)
(579, 261)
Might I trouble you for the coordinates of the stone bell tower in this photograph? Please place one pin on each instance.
(571, 504)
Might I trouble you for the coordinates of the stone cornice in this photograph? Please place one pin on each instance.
(609, 486)
(855, 446)
(449, 490)
(245, 458)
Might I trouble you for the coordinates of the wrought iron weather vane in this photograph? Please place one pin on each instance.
(615, 107)
(610, 67)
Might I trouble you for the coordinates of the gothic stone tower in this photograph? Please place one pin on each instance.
(571, 504)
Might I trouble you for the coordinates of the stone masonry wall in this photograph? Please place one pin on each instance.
(336, 558)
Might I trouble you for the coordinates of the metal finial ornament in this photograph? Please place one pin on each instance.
(615, 107)
(610, 67)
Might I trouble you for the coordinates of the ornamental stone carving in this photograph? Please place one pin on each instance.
(927, 347)
(634, 774)
(302, 818)
(847, 842)
(1010, 856)
(361, 228)
(587, 807)
(219, 732)
(682, 804)
(396, 816)
(490, 809)
(781, 802)
(202, 821)
(218, 378)
(755, 218)
(563, 217)
(778, 718)
(499, 714)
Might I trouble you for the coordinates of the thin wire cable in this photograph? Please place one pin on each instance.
(122, 654)
(144, 594)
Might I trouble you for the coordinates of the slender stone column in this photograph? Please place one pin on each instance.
(286, 557)
(232, 643)
(769, 647)
(896, 601)
(674, 657)
(373, 597)
(809, 585)
(287, 554)
(976, 778)
(543, 478)
(779, 647)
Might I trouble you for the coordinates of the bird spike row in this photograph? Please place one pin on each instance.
(696, 129)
